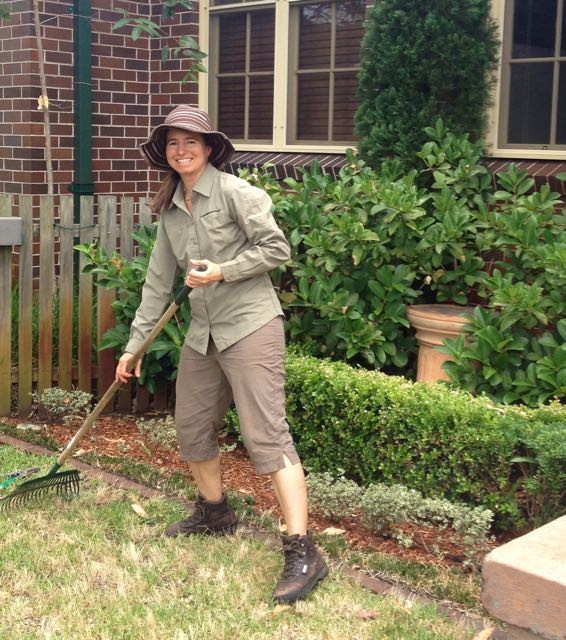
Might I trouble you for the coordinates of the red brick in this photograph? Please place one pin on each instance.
(55, 33)
(108, 153)
(65, 45)
(60, 153)
(111, 39)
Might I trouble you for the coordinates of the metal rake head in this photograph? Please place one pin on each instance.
(64, 483)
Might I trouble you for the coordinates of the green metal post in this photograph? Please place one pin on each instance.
(82, 39)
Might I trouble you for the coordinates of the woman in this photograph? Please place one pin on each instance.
(219, 230)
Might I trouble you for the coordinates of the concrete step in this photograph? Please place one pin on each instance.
(524, 582)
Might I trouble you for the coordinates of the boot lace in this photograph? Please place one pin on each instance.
(197, 516)
(294, 553)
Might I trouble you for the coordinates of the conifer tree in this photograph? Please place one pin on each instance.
(422, 60)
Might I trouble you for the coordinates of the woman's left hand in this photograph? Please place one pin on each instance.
(203, 273)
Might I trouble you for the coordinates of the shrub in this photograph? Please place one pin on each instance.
(334, 497)
(383, 506)
(350, 284)
(516, 348)
(60, 403)
(421, 61)
(384, 509)
(368, 244)
(160, 431)
(441, 442)
(127, 277)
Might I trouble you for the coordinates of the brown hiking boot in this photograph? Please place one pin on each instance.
(304, 567)
(207, 518)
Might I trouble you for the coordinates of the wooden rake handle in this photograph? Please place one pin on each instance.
(93, 415)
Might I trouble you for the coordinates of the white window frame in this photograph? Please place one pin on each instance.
(495, 122)
(281, 79)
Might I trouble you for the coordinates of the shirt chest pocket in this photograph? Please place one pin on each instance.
(217, 227)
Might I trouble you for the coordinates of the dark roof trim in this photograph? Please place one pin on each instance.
(285, 165)
(543, 171)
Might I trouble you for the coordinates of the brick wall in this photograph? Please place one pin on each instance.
(131, 91)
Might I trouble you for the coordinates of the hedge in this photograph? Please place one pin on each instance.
(371, 427)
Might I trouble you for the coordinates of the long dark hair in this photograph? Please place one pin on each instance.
(164, 196)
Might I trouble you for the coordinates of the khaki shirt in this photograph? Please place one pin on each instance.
(231, 224)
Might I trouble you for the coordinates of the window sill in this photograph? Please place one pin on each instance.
(528, 154)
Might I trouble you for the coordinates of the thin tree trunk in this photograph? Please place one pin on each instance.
(44, 100)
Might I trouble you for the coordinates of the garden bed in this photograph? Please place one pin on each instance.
(117, 437)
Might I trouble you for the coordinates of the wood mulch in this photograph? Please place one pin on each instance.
(118, 436)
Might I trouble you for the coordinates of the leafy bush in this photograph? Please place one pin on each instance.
(160, 431)
(441, 442)
(331, 496)
(127, 277)
(421, 61)
(385, 508)
(60, 403)
(348, 293)
(368, 244)
(516, 349)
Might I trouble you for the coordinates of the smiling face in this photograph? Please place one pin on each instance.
(187, 153)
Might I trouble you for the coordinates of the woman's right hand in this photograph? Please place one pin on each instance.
(121, 374)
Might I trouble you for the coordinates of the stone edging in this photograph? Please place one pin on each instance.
(372, 583)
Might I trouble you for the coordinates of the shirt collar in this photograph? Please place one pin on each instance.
(205, 182)
(178, 197)
(203, 186)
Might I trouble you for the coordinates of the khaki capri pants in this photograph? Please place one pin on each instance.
(252, 373)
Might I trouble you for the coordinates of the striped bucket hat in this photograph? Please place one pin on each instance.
(190, 119)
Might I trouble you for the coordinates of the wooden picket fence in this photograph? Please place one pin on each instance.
(104, 218)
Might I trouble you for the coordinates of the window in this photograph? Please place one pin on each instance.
(284, 74)
(533, 105)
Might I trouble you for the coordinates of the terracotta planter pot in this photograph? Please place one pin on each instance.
(433, 323)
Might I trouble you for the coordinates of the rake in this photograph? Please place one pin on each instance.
(66, 483)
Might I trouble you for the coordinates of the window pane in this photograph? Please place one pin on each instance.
(563, 44)
(231, 105)
(262, 45)
(261, 108)
(312, 107)
(232, 38)
(345, 103)
(561, 112)
(349, 32)
(530, 97)
(534, 28)
(315, 31)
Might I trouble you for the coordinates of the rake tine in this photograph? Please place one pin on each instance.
(66, 484)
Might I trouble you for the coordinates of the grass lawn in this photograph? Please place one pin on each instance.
(94, 568)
